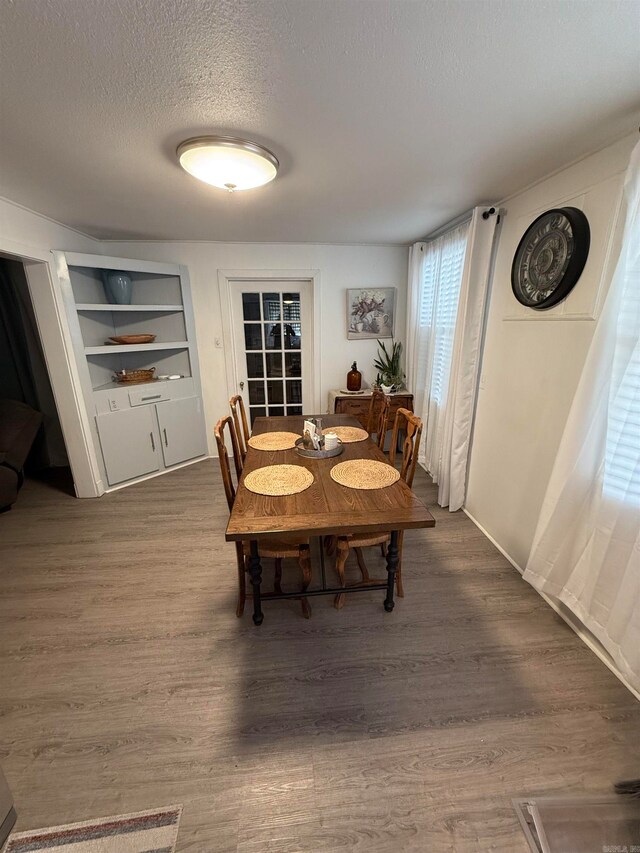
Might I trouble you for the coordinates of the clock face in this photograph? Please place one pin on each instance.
(550, 257)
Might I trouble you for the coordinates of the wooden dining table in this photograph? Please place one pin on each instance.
(326, 507)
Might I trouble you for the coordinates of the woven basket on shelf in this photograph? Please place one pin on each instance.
(124, 377)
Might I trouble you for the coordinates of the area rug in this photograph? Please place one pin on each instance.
(154, 831)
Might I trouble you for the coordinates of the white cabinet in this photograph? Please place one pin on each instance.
(182, 434)
(129, 442)
(131, 439)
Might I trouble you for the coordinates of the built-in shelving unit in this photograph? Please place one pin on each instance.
(157, 307)
(137, 431)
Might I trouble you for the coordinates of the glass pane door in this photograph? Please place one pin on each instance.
(272, 341)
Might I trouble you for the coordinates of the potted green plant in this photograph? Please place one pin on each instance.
(390, 374)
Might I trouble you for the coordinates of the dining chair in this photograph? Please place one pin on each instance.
(377, 423)
(377, 403)
(274, 548)
(411, 426)
(241, 424)
(382, 422)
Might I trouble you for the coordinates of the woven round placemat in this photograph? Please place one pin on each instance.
(278, 480)
(364, 474)
(273, 441)
(348, 434)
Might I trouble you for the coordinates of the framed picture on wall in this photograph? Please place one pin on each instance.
(371, 313)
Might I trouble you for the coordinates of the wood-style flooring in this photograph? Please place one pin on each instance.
(127, 683)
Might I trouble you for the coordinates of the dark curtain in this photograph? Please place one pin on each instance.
(16, 377)
(17, 381)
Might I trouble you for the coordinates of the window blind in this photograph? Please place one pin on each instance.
(440, 294)
(622, 454)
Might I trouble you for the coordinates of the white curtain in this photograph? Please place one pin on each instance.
(448, 281)
(586, 551)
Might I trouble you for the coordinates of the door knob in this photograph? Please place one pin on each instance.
(242, 386)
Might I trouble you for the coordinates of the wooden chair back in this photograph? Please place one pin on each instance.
(412, 426)
(377, 400)
(223, 456)
(383, 421)
(241, 424)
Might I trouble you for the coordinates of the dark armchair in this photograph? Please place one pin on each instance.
(19, 425)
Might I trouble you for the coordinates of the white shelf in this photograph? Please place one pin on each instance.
(119, 348)
(87, 306)
(109, 386)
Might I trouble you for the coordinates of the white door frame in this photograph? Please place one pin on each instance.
(226, 278)
(57, 346)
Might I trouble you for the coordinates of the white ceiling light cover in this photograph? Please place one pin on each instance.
(228, 163)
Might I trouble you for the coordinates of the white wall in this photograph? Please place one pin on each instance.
(26, 233)
(340, 267)
(29, 236)
(532, 360)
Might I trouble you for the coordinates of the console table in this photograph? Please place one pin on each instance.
(357, 405)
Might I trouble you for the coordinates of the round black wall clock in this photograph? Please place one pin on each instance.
(550, 257)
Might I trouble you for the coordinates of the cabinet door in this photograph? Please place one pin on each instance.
(358, 407)
(182, 432)
(401, 401)
(129, 441)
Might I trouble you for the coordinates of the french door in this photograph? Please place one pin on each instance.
(272, 323)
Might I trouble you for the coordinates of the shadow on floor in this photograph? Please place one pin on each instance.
(58, 479)
(454, 649)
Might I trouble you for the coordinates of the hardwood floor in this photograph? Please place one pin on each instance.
(127, 683)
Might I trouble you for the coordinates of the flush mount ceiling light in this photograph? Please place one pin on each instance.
(228, 163)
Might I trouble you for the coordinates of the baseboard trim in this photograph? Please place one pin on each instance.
(493, 541)
(161, 473)
(572, 621)
(589, 640)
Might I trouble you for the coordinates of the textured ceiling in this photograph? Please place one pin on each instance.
(389, 117)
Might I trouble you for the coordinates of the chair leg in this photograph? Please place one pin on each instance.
(330, 544)
(361, 564)
(383, 548)
(342, 548)
(242, 585)
(278, 576)
(304, 560)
